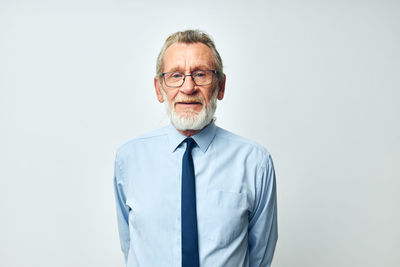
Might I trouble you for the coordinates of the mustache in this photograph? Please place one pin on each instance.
(189, 99)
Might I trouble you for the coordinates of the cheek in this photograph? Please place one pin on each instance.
(170, 95)
(208, 94)
(171, 98)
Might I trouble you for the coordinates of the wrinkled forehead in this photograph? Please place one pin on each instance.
(188, 57)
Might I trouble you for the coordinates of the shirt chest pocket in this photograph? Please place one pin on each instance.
(222, 216)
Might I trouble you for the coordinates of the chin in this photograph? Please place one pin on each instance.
(190, 120)
(188, 114)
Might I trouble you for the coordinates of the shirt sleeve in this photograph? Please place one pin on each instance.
(122, 209)
(263, 229)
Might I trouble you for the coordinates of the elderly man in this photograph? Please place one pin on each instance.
(192, 194)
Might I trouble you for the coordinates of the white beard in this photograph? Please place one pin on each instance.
(192, 120)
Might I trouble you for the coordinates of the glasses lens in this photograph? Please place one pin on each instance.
(174, 78)
(203, 77)
(200, 77)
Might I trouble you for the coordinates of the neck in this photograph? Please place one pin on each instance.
(189, 133)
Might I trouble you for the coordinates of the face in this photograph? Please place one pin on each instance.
(190, 107)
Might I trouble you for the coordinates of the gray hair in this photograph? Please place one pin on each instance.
(190, 37)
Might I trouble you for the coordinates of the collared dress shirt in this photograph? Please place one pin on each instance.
(235, 192)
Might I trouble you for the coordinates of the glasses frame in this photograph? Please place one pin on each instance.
(185, 75)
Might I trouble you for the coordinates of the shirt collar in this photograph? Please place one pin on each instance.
(203, 138)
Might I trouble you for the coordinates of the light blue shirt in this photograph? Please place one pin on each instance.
(235, 192)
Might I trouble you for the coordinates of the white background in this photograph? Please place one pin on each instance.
(316, 82)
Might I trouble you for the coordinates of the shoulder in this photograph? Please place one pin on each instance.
(241, 144)
(247, 156)
(141, 142)
(136, 152)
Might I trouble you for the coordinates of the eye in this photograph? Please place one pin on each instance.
(199, 74)
(175, 75)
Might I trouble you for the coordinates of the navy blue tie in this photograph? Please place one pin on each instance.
(190, 249)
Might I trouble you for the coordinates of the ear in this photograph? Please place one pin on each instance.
(221, 92)
(158, 88)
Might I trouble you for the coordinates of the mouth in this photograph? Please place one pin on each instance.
(188, 103)
(188, 107)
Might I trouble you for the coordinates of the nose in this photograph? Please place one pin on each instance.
(188, 86)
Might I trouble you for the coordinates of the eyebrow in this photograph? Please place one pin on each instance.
(198, 67)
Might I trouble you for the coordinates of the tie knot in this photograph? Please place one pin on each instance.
(190, 143)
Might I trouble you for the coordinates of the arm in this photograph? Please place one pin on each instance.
(122, 210)
(263, 232)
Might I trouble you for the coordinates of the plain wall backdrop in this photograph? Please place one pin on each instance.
(315, 82)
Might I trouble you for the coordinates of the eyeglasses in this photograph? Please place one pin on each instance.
(200, 77)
